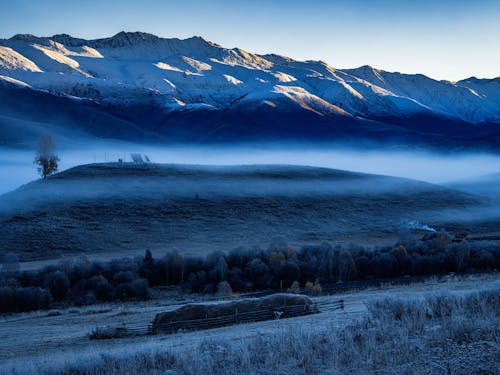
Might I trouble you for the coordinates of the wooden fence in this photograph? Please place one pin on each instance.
(253, 316)
(133, 329)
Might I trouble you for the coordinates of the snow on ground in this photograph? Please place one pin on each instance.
(199, 71)
(12, 60)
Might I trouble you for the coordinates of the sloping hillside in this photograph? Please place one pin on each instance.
(127, 208)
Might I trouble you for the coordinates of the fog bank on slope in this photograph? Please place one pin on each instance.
(17, 165)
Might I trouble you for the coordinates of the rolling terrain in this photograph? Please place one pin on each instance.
(137, 86)
(486, 185)
(117, 209)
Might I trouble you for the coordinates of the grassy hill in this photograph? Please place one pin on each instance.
(124, 208)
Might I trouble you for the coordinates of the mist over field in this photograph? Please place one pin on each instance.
(16, 165)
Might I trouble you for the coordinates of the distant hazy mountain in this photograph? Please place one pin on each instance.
(138, 86)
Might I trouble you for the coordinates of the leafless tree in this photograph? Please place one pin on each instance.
(347, 266)
(46, 159)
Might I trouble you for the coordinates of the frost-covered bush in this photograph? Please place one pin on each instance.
(58, 284)
(100, 286)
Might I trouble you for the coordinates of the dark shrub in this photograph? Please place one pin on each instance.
(147, 267)
(385, 265)
(140, 289)
(238, 280)
(174, 269)
(135, 290)
(346, 266)
(198, 283)
(288, 272)
(482, 259)
(58, 284)
(258, 273)
(123, 291)
(124, 277)
(363, 266)
(24, 299)
(218, 271)
(78, 270)
(239, 257)
(102, 289)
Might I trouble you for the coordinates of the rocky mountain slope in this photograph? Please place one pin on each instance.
(193, 89)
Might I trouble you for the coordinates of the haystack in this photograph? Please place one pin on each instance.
(271, 303)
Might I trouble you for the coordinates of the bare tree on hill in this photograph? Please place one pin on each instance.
(46, 159)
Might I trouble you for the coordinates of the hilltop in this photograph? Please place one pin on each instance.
(118, 209)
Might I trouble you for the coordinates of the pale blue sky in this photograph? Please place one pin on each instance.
(443, 39)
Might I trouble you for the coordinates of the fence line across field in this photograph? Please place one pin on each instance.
(145, 328)
(296, 310)
(206, 323)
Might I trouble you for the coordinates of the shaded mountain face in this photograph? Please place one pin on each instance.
(139, 86)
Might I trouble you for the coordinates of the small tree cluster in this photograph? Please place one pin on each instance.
(243, 270)
(19, 299)
(46, 160)
(74, 282)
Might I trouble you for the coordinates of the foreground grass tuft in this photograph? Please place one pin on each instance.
(440, 334)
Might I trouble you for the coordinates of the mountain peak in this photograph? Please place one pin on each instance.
(24, 37)
(193, 73)
(201, 41)
(480, 80)
(135, 36)
(126, 38)
(121, 39)
(278, 59)
(198, 38)
(61, 36)
(67, 40)
(368, 68)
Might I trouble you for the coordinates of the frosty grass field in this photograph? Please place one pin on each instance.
(433, 327)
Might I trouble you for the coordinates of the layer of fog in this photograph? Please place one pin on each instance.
(166, 183)
(17, 168)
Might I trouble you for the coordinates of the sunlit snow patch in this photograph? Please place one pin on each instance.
(195, 64)
(14, 81)
(165, 66)
(12, 60)
(232, 80)
(283, 77)
(269, 103)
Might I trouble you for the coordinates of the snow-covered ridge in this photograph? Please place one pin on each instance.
(134, 67)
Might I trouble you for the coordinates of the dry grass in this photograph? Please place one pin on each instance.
(445, 333)
(112, 209)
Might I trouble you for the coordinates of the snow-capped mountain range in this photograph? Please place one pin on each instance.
(179, 77)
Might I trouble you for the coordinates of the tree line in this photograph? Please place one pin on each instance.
(279, 267)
